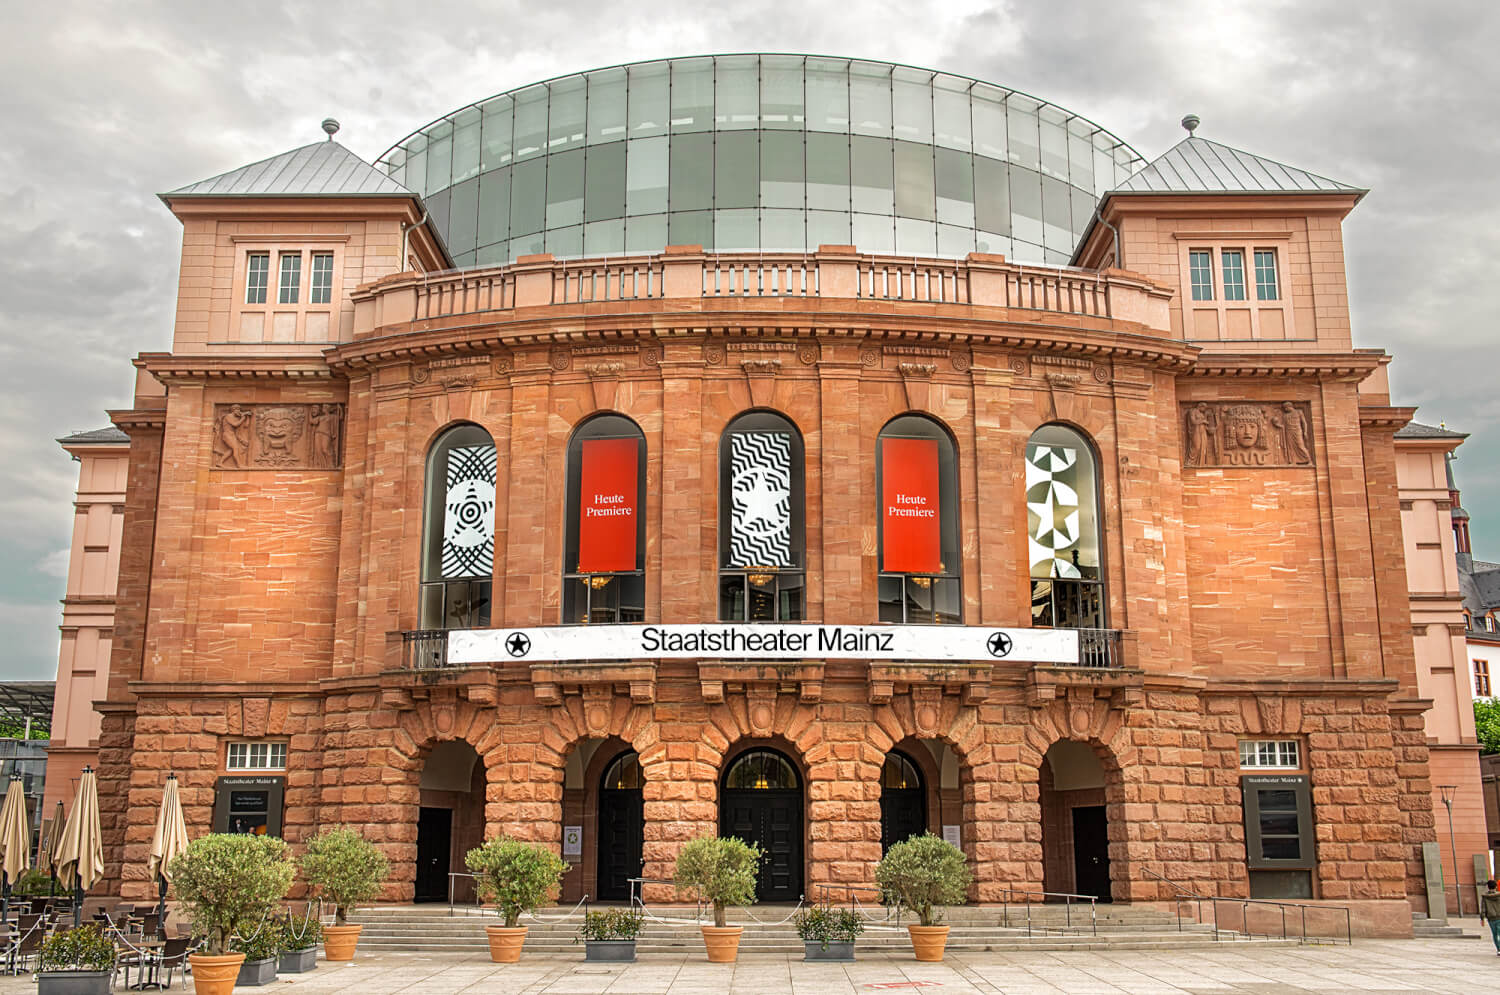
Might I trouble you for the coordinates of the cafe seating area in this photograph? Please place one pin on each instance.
(147, 955)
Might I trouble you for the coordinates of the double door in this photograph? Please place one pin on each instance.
(621, 829)
(771, 820)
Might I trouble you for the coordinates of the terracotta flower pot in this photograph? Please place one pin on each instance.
(722, 943)
(505, 943)
(339, 941)
(215, 975)
(927, 942)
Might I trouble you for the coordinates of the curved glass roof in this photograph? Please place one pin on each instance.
(760, 152)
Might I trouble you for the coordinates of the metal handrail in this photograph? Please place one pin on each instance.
(1184, 894)
(1068, 901)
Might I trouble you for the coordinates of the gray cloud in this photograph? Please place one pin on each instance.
(107, 104)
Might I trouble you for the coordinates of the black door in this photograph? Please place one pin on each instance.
(621, 827)
(903, 814)
(1091, 852)
(771, 820)
(434, 841)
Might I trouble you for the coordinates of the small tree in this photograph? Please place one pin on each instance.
(231, 883)
(722, 869)
(923, 872)
(516, 876)
(343, 867)
(1487, 724)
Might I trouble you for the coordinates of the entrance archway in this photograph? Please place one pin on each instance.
(1075, 827)
(622, 826)
(760, 801)
(903, 800)
(450, 821)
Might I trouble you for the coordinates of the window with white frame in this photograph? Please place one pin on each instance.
(1232, 269)
(1233, 261)
(290, 284)
(1201, 269)
(1267, 286)
(1273, 754)
(321, 291)
(256, 756)
(257, 276)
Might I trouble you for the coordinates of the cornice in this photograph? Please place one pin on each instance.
(1385, 417)
(126, 419)
(1350, 367)
(168, 368)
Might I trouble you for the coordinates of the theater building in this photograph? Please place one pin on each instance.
(811, 450)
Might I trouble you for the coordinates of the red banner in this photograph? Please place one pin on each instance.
(911, 529)
(607, 505)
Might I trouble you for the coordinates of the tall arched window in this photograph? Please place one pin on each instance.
(762, 550)
(604, 556)
(458, 533)
(1062, 529)
(917, 481)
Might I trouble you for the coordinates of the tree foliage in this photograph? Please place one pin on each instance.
(1487, 724)
(231, 883)
(343, 867)
(516, 876)
(923, 872)
(722, 869)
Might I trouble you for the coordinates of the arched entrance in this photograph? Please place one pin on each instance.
(903, 800)
(450, 821)
(622, 826)
(1075, 826)
(760, 801)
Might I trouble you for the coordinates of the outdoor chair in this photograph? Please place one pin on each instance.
(28, 947)
(149, 925)
(174, 956)
(26, 920)
(40, 904)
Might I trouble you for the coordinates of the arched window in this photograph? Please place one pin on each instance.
(762, 551)
(624, 774)
(604, 555)
(917, 482)
(458, 532)
(1062, 529)
(761, 770)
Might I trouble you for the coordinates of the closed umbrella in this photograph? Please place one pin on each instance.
(168, 841)
(80, 855)
(53, 842)
(15, 840)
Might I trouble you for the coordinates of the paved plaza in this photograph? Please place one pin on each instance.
(1461, 966)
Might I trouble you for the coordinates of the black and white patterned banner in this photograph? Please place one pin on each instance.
(760, 467)
(469, 513)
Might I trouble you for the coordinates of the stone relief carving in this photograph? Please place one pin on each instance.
(1247, 433)
(278, 436)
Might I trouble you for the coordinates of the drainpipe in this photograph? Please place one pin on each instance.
(1119, 250)
(406, 231)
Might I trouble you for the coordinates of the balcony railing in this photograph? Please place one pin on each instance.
(1100, 648)
(425, 649)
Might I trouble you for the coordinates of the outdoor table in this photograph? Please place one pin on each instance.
(148, 973)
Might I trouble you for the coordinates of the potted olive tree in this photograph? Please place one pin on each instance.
(298, 939)
(261, 948)
(517, 877)
(921, 874)
(228, 884)
(722, 870)
(78, 962)
(828, 933)
(609, 934)
(346, 870)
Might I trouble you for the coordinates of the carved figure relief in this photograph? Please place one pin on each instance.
(278, 436)
(1247, 433)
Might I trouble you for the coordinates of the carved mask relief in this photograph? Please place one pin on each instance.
(278, 436)
(1247, 433)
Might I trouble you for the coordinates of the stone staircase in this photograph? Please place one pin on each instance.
(431, 929)
(1423, 928)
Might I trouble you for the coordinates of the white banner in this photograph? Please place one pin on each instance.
(760, 641)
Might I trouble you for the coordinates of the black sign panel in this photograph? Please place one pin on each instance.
(249, 805)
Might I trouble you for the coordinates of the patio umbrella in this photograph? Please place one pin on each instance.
(54, 840)
(15, 840)
(80, 855)
(168, 841)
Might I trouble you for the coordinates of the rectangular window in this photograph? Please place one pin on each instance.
(1201, 269)
(1234, 274)
(257, 273)
(256, 756)
(1275, 753)
(290, 284)
(250, 805)
(1482, 678)
(1266, 288)
(1278, 821)
(321, 291)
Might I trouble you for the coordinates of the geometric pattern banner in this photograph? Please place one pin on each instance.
(760, 469)
(469, 513)
(1053, 522)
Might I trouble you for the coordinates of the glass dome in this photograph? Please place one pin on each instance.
(760, 152)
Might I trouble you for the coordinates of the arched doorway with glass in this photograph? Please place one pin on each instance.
(903, 800)
(622, 826)
(760, 802)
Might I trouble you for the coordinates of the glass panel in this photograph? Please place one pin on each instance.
(916, 238)
(992, 195)
(874, 233)
(495, 129)
(782, 179)
(790, 597)
(732, 597)
(736, 171)
(565, 189)
(646, 176)
(321, 291)
(1201, 271)
(692, 95)
(564, 242)
(828, 172)
(870, 99)
(954, 240)
(604, 189)
(827, 95)
(988, 113)
(892, 603)
(827, 228)
(691, 228)
(912, 106)
(440, 155)
(289, 284)
(736, 93)
(783, 231)
(624, 774)
(526, 245)
(1277, 798)
(606, 114)
(531, 122)
(1054, 136)
(914, 182)
(257, 277)
(1280, 848)
(1234, 274)
(955, 188)
(463, 216)
(1080, 154)
(648, 100)
(604, 238)
(1026, 206)
(495, 254)
(691, 173)
(646, 234)
(1265, 276)
(1062, 517)
(1021, 131)
(950, 112)
(1057, 210)
(992, 242)
(761, 770)
(736, 230)
(416, 165)
(781, 92)
(494, 206)
(437, 209)
(565, 117)
(466, 145)
(872, 175)
(528, 196)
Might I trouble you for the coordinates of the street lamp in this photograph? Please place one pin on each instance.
(1446, 792)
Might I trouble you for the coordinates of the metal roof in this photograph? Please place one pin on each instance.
(1416, 430)
(22, 700)
(322, 169)
(106, 434)
(1197, 165)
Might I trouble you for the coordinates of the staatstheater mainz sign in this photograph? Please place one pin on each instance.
(763, 642)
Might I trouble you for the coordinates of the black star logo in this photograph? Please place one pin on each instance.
(518, 644)
(999, 644)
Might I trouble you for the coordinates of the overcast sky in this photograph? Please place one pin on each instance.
(107, 103)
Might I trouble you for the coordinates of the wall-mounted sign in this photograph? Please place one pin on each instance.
(909, 513)
(738, 641)
(952, 836)
(572, 841)
(607, 513)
